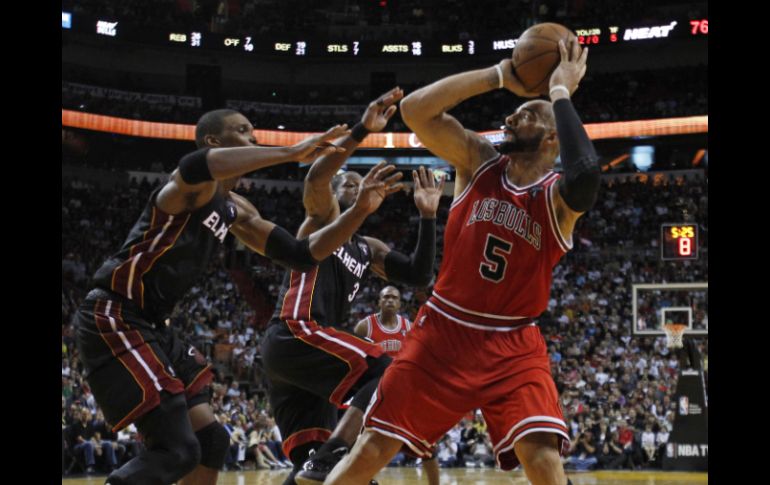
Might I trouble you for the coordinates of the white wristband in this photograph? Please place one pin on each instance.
(499, 76)
(559, 87)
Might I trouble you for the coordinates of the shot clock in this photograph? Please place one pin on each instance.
(679, 241)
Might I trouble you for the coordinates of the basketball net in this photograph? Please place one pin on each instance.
(674, 334)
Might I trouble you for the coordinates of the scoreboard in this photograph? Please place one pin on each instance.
(110, 29)
(679, 241)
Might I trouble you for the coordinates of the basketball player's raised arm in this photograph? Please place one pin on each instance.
(275, 242)
(425, 112)
(321, 207)
(415, 269)
(194, 182)
(579, 186)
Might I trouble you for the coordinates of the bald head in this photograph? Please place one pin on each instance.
(545, 109)
(390, 300)
(224, 128)
(345, 187)
(390, 290)
(211, 123)
(528, 127)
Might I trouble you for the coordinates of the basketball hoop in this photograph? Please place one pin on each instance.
(674, 334)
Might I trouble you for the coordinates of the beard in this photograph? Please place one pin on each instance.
(346, 204)
(517, 145)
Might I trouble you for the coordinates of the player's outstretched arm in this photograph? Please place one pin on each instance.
(194, 182)
(417, 268)
(321, 207)
(579, 186)
(425, 112)
(278, 244)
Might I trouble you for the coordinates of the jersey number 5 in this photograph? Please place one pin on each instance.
(493, 268)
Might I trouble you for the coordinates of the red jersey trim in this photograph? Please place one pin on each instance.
(553, 221)
(385, 329)
(527, 322)
(516, 190)
(539, 420)
(506, 318)
(369, 326)
(482, 168)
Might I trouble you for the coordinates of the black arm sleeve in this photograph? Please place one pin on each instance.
(194, 168)
(286, 250)
(580, 183)
(359, 132)
(416, 269)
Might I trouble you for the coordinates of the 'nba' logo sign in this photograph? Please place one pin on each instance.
(684, 405)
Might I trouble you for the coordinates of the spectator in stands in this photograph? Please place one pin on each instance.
(481, 451)
(468, 438)
(583, 452)
(233, 391)
(630, 448)
(236, 451)
(611, 454)
(129, 440)
(105, 441)
(272, 438)
(447, 452)
(648, 443)
(81, 443)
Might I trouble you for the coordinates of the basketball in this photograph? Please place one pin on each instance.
(536, 55)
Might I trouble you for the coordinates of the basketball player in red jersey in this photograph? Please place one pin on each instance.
(389, 329)
(386, 327)
(475, 343)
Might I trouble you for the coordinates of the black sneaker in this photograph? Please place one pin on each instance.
(318, 465)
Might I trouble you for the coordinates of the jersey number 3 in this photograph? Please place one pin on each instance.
(352, 296)
(494, 264)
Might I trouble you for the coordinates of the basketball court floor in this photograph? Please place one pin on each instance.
(459, 476)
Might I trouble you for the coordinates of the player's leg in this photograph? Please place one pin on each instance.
(318, 466)
(392, 423)
(523, 415)
(214, 441)
(431, 470)
(418, 399)
(133, 381)
(332, 365)
(300, 378)
(195, 372)
(539, 455)
(305, 419)
(172, 450)
(371, 453)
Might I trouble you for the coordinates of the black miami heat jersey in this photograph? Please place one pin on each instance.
(325, 293)
(164, 254)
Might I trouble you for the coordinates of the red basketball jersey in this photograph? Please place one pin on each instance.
(389, 340)
(500, 246)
